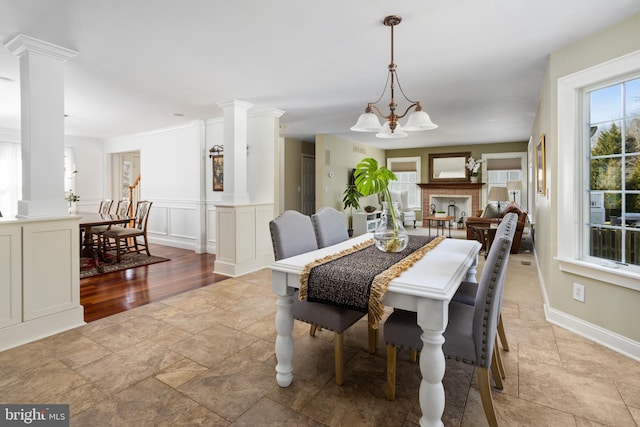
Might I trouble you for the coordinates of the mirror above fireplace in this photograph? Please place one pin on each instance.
(448, 167)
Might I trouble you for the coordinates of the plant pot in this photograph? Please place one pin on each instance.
(474, 178)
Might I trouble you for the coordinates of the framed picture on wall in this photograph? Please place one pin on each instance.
(217, 161)
(218, 173)
(541, 173)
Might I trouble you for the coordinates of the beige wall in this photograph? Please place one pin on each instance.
(608, 306)
(336, 156)
(293, 151)
(475, 150)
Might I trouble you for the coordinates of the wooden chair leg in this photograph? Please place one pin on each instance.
(495, 371)
(339, 357)
(503, 374)
(373, 336)
(484, 384)
(312, 330)
(117, 250)
(413, 356)
(503, 336)
(391, 372)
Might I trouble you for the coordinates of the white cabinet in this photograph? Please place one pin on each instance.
(365, 222)
(39, 278)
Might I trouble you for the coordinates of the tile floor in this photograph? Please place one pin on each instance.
(206, 357)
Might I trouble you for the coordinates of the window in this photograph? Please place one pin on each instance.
(407, 170)
(576, 194)
(10, 178)
(612, 144)
(502, 178)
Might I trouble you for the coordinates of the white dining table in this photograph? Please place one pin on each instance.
(426, 288)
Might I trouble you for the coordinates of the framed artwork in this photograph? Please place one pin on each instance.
(217, 161)
(541, 173)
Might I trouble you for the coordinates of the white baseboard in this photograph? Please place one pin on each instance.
(611, 340)
(595, 333)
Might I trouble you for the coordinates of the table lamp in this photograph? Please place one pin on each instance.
(498, 194)
(513, 187)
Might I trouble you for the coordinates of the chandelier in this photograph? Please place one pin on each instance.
(418, 120)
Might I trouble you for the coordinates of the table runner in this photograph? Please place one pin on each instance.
(358, 277)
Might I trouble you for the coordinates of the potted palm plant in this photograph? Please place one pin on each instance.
(371, 179)
(351, 200)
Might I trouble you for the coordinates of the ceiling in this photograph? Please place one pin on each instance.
(476, 66)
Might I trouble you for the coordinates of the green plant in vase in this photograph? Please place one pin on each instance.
(351, 200)
(372, 179)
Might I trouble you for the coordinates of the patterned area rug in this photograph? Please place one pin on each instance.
(88, 269)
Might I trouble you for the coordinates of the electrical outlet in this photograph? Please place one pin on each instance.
(578, 292)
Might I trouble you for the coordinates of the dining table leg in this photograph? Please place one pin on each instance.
(284, 329)
(472, 271)
(432, 318)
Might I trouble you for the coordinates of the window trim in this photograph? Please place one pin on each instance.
(417, 160)
(570, 120)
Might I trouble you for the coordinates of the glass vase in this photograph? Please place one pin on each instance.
(390, 235)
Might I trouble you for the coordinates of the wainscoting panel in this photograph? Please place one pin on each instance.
(183, 222)
(264, 247)
(175, 223)
(51, 269)
(212, 234)
(157, 224)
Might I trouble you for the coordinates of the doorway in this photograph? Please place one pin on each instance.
(125, 170)
(308, 196)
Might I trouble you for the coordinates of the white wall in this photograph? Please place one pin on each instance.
(176, 175)
(332, 172)
(172, 164)
(90, 182)
(609, 313)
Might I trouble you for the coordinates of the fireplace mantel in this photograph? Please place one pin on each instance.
(462, 185)
(452, 189)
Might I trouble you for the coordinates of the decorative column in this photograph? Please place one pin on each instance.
(42, 109)
(235, 151)
(243, 242)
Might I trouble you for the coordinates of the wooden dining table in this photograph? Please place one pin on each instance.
(89, 220)
(426, 288)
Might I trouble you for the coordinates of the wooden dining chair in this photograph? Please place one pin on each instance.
(292, 234)
(470, 335)
(122, 209)
(130, 235)
(105, 206)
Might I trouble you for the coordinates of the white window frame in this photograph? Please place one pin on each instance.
(417, 161)
(571, 203)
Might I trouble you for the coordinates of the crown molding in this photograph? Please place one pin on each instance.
(22, 44)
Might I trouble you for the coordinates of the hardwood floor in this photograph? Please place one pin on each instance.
(119, 291)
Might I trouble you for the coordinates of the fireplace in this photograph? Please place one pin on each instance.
(465, 195)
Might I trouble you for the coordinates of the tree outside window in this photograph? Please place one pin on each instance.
(614, 173)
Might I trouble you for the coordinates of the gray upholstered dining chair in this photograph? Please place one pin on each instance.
(466, 293)
(470, 335)
(292, 234)
(130, 235)
(330, 226)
